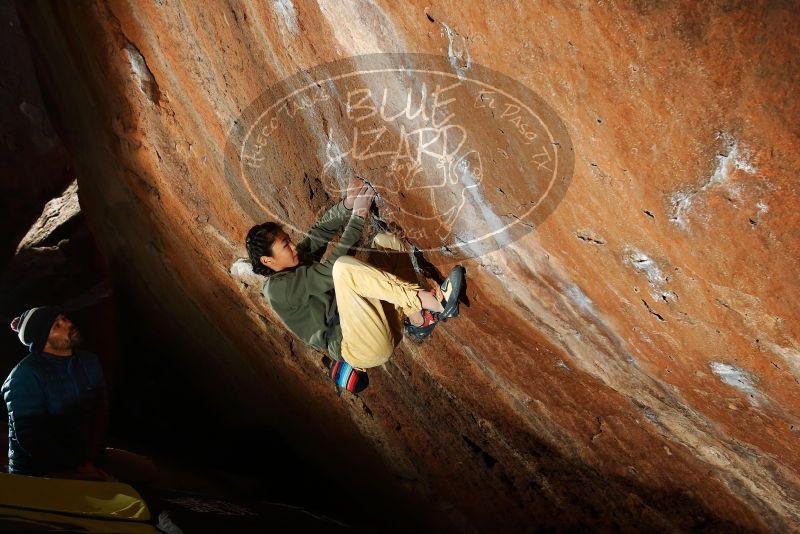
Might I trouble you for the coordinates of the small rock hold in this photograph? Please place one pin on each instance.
(590, 237)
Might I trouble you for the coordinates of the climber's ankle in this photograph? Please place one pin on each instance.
(429, 301)
(416, 318)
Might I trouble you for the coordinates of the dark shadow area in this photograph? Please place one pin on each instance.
(158, 405)
(161, 408)
(34, 164)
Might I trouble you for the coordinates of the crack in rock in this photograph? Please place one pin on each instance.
(142, 73)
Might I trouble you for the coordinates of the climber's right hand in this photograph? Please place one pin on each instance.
(363, 201)
(354, 186)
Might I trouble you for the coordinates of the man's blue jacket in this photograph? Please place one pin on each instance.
(57, 412)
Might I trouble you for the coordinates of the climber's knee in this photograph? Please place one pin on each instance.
(381, 240)
(377, 356)
(388, 241)
(341, 265)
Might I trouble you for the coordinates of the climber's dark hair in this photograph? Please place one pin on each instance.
(259, 242)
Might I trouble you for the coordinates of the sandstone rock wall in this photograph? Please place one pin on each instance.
(632, 361)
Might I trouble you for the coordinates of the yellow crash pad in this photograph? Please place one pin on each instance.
(100, 500)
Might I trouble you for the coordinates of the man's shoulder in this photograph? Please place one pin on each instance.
(28, 364)
(25, 370)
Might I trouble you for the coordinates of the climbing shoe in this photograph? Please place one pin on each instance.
(422, 331)
(345, 375)
(449, 292)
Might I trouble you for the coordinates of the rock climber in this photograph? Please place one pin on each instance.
(58, 407)
(351, 309)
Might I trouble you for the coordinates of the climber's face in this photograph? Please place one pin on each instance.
(284, 253)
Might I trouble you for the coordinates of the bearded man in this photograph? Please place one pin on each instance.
(56, 400)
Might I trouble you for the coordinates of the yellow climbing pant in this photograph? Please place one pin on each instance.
(372, 298)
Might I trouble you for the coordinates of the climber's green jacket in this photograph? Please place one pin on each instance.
(303, 297)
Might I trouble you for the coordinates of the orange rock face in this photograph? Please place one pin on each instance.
(630, 355)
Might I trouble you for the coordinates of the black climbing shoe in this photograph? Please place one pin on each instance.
(450, 290)
(422, 331)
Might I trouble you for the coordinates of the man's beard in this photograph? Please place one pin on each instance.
(73, 340)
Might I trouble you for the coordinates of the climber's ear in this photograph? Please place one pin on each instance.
(266, 260)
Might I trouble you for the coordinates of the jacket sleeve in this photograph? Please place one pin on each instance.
(320, 234)
(317, 277)
(28, 418)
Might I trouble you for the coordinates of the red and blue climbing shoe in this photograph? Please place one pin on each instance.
(424, 330)
(450, 291)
